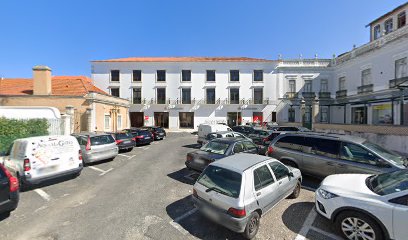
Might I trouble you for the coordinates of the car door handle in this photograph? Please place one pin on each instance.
(258, 194)
(280, 183)
(54, 159)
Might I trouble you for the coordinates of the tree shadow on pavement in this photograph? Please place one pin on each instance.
(296, 214)
(197, 224)
(185, 176)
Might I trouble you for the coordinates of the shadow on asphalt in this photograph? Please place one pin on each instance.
(193, 146)
(185, 176)
(47, 183)
(4, 216)
(310, 183)
(197, 224)
(301, 211)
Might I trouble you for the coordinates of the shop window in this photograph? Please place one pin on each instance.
(186, 119)
(382, 114)
(359, 115)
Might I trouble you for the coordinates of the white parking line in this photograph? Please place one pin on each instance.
(110, 169)
(177, 226)
(43, 194)
(330, 235)
(307, 225)
(96, 169)
(145, 148)
(123, 155)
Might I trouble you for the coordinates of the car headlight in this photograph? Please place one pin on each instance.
(326, 195)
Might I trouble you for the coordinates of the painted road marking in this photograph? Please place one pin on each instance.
(123, 155)
(327, 234)
(100, 170)
(110, 169)
(43, 194)
(307, 225)
(177, 226)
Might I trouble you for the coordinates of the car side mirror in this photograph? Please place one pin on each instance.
(290, 174)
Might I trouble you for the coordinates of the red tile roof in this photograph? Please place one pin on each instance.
(61, 86)
(185, 59)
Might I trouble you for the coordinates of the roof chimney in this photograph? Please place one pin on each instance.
(42, 80)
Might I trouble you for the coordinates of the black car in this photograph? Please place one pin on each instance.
(9, 191)
(141, 137)
(243, 129)
(217, 149)
(259, 136)
(124, 141)
(158, 132)
(292, 129)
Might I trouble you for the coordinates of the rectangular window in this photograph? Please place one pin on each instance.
(262, 178)
(186, 75)
(210, 75)
(119, 122)
(137, 75)
(291, 114)
(161, 75)
(137, 95)
(401, 68)
(114, 92)
(324, 85)
(107, 122)
(186, 119)
(234, 95)
(401, 19)
(377, 32)
(366, 77)
(342, 83)
(388, 26)
(210, 95)
(258, 95)
(292, 86)
(308, 114)
(324, 114)
(186, 95)
(258, 75)
(382, 114)
(359, 115)
(161, 95)
(115, 75)
(234, 75)
(308, 86)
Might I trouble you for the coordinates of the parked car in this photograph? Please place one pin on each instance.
(158, 132)
(205, 129)
(292, 129)
(217, 149)
(321, 155)
(224, 134)
(97, 146)
(237, 190)
(262, 141)
(366, 206)
(124, 141)
(259, 136)
(243, 129)
(9, 191)
(37, 159)
(140, 136)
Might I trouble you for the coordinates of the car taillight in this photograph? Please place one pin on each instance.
(195, 193)
(140, 137)
(27, 165)
(119, 141)
(238, 213)
(14, 186)
(270, 150)
(88, 145)
(80, 155)
(189, 158)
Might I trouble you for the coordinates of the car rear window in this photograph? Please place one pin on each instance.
(101, 140)
(221, 180)
(290, 142)
(159, 129)
(215, 147)
(120, 136)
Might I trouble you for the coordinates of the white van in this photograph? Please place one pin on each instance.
(37, 159)
(204, 129)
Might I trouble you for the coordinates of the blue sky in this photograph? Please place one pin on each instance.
(67, 34)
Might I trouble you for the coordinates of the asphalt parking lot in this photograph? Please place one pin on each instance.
(145, 194)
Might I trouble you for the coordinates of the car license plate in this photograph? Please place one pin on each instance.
(126, 142)
(210, 213)
(147, 137)
(199, 161)
(161, 134)
(47, 169)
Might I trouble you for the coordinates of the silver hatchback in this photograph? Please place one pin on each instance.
(237, 190)
(97, 146)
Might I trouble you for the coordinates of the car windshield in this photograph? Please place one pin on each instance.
(388, 183)
(120, 136)
(101, 140)
(215, 147)
(221, 180)
(387, 154)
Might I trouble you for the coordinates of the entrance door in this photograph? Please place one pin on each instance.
(257, 117)
(161, 119)
(136, 119)
(234, 119)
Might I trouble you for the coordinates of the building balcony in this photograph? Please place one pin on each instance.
(291, 95)
(308, 94)
(341, 93)
(365, 88)
(396, 82)
(324, 95)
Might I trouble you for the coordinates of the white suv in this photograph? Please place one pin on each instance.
(366, 206)
(237, 190)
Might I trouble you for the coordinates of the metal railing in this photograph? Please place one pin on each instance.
(341, 93)
(308, 94)
(397, 81)
(365, 88)
(324, 95)
(291, 95)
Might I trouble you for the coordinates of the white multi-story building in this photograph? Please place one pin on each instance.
(364, 86)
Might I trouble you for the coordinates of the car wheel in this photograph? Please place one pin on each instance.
(355, 225)
(296, 191)
(289, 163)
(252, 226)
